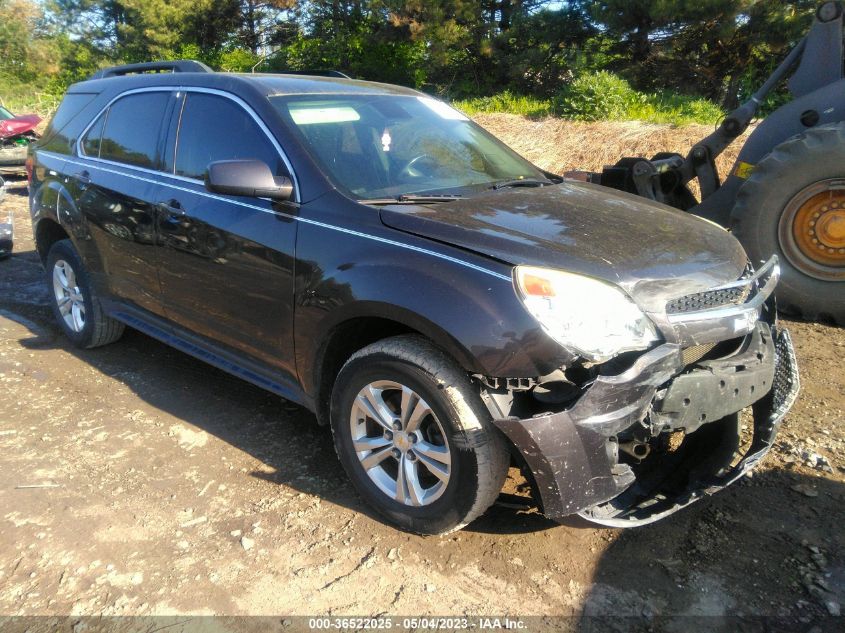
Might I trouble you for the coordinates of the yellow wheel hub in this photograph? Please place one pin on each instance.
(819, 228)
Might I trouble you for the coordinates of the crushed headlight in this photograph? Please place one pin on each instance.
(594, 319)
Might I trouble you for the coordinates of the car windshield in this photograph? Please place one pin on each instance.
(5, 114)
(377, 146)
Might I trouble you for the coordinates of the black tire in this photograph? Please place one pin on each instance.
(791, 168)
(98, 328)
(479, 455)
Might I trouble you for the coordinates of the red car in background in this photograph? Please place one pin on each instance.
(16, 133)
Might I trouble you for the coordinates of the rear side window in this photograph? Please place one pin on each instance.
(216, 128)
(132, 129)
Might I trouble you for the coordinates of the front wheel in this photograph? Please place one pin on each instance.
(414, 437)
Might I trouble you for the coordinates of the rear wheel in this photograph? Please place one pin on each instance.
(414, 437)
(75, 304)
(793, 205)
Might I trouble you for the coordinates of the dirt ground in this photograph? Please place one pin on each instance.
(135, 480)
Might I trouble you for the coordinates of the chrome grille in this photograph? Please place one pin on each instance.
(732, 294)
(708, 299)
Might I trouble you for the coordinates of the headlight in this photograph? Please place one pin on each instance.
(592, 318)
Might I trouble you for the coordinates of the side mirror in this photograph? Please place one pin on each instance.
(251, 178)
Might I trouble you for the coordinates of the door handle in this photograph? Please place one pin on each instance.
(83, 178)
(173, 208)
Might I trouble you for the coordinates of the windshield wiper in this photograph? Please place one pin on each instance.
(413, 199)
(521, 182)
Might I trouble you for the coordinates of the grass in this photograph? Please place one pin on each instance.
(506, 103)
(600, 96)
(664, 107)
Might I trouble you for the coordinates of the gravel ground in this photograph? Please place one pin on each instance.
(135, 480)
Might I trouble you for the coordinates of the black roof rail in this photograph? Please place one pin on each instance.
(179, 66)
(317, 73)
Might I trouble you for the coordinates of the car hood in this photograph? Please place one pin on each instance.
(18, 125)
(650, 250)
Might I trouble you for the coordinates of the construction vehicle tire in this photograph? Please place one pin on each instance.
(793, 205)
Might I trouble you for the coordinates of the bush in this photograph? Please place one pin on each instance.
(597, 97)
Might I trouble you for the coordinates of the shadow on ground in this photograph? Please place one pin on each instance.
(243, 415)
(763, 555)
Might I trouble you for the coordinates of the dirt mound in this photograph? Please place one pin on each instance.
(559, 145)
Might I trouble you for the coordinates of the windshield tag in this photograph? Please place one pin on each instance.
(386, 141)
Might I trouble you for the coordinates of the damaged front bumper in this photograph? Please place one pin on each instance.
(575, 457)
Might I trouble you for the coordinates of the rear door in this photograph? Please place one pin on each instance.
(113, 182)
(227, 262)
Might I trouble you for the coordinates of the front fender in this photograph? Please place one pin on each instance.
(472, 314)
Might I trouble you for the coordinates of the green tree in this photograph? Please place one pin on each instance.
(263, 23)
(26, 51)
(708, 47)
(542, 50)
(142, 30)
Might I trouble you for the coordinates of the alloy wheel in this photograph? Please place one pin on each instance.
(68, 295)
(400, 443)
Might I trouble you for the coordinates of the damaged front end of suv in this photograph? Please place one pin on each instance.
(627, 438)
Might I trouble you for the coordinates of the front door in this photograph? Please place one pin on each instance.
(227, 262)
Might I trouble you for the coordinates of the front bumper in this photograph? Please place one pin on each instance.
(574, 455)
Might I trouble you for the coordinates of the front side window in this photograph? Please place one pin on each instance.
(389, 145)
(215, 128)
(132, 129)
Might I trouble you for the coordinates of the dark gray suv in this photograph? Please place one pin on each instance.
(448, 308)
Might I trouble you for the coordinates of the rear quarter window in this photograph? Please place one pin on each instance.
(55, 138)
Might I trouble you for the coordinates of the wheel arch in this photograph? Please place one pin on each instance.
(368, 323)
(47, 233)
(54, 216)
